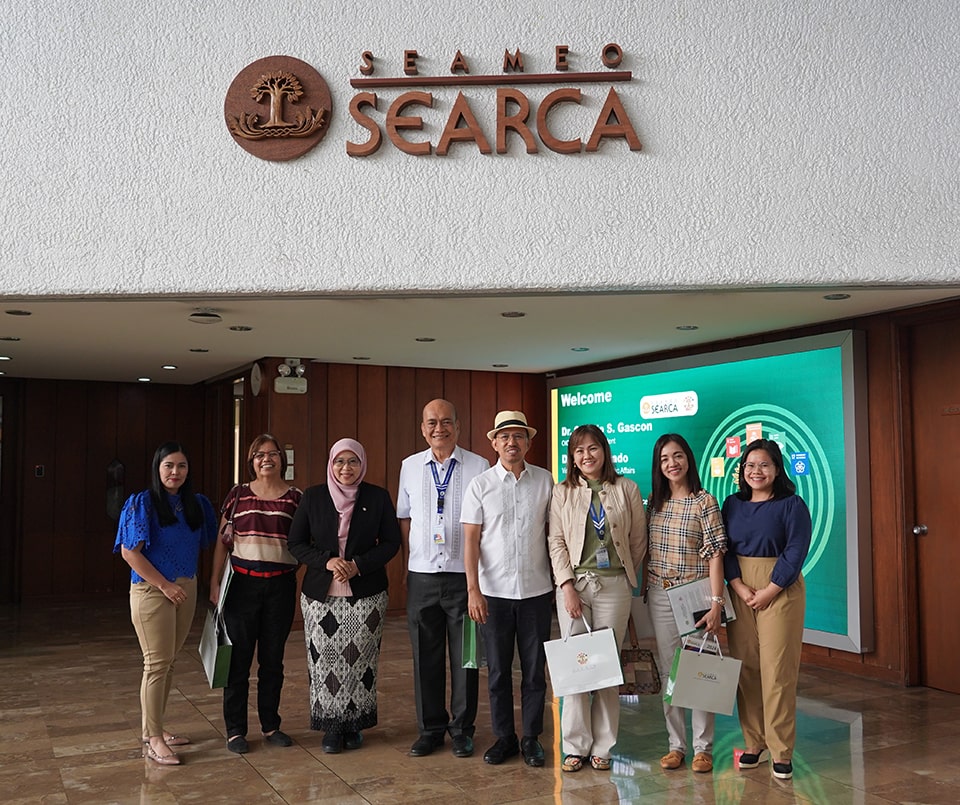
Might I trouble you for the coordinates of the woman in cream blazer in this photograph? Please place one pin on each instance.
(598, 539)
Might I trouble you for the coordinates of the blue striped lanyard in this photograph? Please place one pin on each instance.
(442, 487)
(599, 519)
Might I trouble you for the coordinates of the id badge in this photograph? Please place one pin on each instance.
(603, 558)
(439, 537)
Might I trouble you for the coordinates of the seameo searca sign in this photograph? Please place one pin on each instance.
(389, 108)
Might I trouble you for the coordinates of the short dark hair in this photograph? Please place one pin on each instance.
(191, 506)
(580, 433)
(255, 446)
(660, 492)
(783, 487)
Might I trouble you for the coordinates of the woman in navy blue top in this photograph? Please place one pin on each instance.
(768, 536)
(160, 534)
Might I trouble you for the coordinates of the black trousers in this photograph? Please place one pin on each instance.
(436, 607)
(526, 623)
(258, 614)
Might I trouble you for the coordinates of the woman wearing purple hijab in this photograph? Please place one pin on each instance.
(345, 531)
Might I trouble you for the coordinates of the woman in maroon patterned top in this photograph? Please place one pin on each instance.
(261, 601)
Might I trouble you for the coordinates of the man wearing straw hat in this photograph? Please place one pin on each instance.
(509, 589)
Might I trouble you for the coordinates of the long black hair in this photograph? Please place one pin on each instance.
(158, 492)
(783, 487)
(661, 485)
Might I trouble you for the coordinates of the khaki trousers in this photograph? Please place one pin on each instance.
(162, 628)
(590, 721)
(768, 643)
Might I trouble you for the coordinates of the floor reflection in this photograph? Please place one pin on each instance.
(69, 679)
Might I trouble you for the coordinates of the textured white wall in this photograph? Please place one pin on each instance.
(784, 143)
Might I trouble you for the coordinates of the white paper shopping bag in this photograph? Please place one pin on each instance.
(702, 678)
(584, 662)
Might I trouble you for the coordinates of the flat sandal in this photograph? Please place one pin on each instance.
(571, 763)
(600, 763)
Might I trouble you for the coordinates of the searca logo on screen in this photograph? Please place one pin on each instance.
(662, 406)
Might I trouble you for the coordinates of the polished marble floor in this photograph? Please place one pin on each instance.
(69, 726)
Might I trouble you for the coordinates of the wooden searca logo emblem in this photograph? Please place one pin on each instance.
(278, 108)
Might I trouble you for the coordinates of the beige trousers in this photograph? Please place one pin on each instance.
(590, 721)
(768, 643)
(162, 628)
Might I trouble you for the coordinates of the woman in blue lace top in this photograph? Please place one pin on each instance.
(160, 534)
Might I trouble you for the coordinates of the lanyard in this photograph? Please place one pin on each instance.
(599, 519)
(442, 487)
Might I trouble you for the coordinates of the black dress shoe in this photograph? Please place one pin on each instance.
(352, 740)
(462, 746)
(238, 744)
(425, 744)
(504, 748)
(333, 743)
(278, 738)
(532, 751)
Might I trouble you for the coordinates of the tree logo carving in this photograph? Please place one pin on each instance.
(278, 108)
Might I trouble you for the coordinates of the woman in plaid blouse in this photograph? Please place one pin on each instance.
(687, 543)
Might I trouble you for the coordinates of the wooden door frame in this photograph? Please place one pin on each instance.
(906, 504)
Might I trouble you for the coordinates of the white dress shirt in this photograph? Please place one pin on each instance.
(417, 500)
(512, 513)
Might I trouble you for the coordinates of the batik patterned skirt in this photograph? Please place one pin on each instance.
(343, 653)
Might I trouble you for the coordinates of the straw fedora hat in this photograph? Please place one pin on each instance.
(510, 419)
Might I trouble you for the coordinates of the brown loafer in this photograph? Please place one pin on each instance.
(702, 763)
(672, 760)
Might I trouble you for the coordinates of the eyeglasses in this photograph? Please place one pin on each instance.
(504, 438)
(346, 462)
(274, 454)
(763, 466)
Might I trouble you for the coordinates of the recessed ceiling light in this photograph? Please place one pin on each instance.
(513, 314)
(688, 327)
(144, 379)
(241, 328)
(9, 338)
(168, 366)
(18, 313)
(426, 340)
(199, 349)
(204, 316)
(361, 357)
(579, 349)
(836, 297)
(5, 358)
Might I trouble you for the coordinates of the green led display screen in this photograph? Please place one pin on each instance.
(799, 394)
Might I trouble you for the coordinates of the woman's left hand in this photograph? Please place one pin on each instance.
(342, 569)
(174, 593)
(761, 599)
(711, 621)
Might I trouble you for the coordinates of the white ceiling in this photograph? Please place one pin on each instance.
(125, 339)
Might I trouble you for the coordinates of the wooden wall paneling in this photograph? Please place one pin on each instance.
(66, 551)
(429, 384)
(12, 474)
(312, 468)
(456, 389)
(534, 388)
(403, 429)
(483, 411)
(510, 393)
(135, 453)
(372, 423)
(342, 411)
(38, 496)
(99, 531)
(161, 402)
(289, 421)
